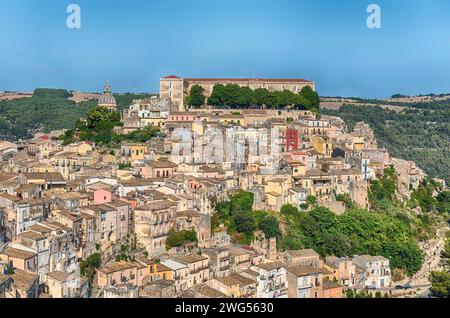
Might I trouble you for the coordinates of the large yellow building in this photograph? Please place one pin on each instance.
(175, 88)
(323, 145)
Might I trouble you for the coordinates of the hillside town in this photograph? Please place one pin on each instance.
(81, 220)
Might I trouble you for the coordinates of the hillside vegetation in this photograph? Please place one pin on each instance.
(46, 110)
(391, 228)
(420, 133)
(235, 96)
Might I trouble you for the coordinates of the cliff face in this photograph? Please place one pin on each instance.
(409, 177)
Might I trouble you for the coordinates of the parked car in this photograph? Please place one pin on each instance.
(398, 286)
(407, 286)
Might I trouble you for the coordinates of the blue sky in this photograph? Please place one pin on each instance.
(135, 42)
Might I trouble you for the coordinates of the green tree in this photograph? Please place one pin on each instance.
(311, 97)
(270, 226)
(102, 117)
(196, 97)
(10, 269)
(244, 222)
(241, 201)
(440, 284)
(260, 97)
(180, 238)
(349, 293)
(423, 196)
(311, 200)
(443, 202)
(89, 265)
(288, 210)
(382, 191)
(244, 97)
(217, 95)
(346, 199)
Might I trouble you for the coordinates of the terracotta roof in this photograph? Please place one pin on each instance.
(251, 272)
(304, 270)
(100, 186)
(328, 284)
(190, 258)
(48, 176)
(303, 253)
(118, 266)
(23, 280)
(235, 279)
(171, 76)
(238, 251)
(136, 182)
(156, 205)
(271, 266)
(118, 203)
(162, 164)
(8, 176)
(16, 253)
(59, 276)
(188, 213)
(33, 235)
(10, 197)
(3, 278)
(209, 292)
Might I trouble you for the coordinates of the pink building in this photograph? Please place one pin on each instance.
(102, 196)
(131, 201)
(299, 156)
(158, 169)
(118, 273)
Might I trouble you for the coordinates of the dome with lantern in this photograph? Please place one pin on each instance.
(107, 100)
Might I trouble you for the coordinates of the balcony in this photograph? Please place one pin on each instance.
(198, 270)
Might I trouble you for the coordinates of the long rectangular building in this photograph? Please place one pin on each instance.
(175, 88)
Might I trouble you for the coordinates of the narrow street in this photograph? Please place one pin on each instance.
(432, 252)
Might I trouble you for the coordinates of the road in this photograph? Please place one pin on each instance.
(432, 262)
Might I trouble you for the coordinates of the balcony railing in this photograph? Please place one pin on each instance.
(199, 269)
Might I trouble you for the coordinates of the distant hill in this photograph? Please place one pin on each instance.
(397, 102)
(47, 109)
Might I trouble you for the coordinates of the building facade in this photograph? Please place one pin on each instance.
(175, 88)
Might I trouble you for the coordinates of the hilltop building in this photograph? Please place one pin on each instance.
(175, 88)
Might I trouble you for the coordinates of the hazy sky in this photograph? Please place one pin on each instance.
(133, 43)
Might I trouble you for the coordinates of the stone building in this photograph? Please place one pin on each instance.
(175, 89)
(152, 224)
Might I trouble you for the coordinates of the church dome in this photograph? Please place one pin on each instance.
(107, 99)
